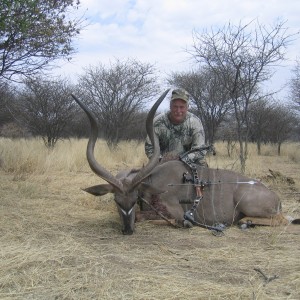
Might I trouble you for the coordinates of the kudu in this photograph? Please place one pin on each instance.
(227, 196)
(125, 185)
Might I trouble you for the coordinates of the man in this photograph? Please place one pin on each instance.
(178, 130)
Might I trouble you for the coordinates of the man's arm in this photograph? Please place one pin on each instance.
(198, 141)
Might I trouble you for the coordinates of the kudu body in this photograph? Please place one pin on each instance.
(227, 196)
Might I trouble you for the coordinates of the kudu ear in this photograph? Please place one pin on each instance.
(150, 189)
(100, 189)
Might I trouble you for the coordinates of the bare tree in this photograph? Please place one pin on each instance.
(137, 128)
(45, 108)
(227, 133)
(79, 126)
(282, 123)
(34, 33)
(242, 58)
(260, 120)
(116, 93)
(210, 100)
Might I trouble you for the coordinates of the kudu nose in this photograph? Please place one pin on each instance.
(127, 231)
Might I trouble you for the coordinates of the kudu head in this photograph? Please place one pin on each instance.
(125, 185)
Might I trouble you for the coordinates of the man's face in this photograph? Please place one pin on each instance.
(178, 110)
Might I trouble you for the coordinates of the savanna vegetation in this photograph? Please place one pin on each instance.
(58, 242)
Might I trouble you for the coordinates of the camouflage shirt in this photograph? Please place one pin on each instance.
(177, 139)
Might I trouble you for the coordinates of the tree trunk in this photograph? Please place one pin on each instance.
(258, 144)
(279, 148)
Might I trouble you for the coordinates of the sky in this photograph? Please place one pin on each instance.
(160, 31)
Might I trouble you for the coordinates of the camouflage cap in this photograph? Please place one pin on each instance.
(180, 94)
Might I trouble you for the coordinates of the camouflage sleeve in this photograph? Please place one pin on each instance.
(198, 141)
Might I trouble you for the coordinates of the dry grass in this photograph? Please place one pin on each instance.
(58, 242)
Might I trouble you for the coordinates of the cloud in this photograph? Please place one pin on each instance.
(159, 31)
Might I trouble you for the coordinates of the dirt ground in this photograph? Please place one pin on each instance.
(58, 242)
